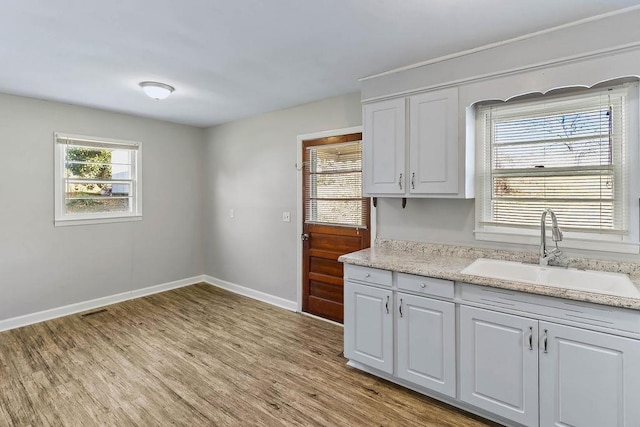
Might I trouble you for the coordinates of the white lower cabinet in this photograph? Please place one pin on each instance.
(368, 325)
(588, 378)
(523, 370)
(512, 365)
(425, 332)
(426, 342)
(499, 363)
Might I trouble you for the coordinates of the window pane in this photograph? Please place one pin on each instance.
(92, 198)
(594, 187)
(578, 124)
(93, 163)
(570, 153)
(337, 186)
(597, 214)
(346, 212)
(335, 158)
(83, 205)
(76, 190)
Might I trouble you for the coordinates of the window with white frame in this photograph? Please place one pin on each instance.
(96, 180)
(572, 153)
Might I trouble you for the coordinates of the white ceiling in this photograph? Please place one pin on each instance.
(230, 59)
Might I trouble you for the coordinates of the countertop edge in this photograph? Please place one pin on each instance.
(364, 259)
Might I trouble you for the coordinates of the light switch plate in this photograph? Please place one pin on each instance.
(286, 216)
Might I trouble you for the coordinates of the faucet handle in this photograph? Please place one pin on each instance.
(555, 257)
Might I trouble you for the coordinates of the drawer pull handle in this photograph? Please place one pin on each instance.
(400, 307)
(545, 341)
(387, 305)
(530, 337)
(422, 285)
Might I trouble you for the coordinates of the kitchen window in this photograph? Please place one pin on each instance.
(96, 180)
(575, 153)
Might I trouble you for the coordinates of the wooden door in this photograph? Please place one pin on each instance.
(426, 342)
(433, 135)
(588, 379)
(384, 147)
(336, 220)
(368, 329)
(499, 364)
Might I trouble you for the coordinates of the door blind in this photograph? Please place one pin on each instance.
(333, 185)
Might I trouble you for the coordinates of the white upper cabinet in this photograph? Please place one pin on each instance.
(431, 163)
(383, 149)
(433, 136)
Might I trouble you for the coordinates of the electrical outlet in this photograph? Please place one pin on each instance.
(286, 216)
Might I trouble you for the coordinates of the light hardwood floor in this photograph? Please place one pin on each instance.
(198, 356)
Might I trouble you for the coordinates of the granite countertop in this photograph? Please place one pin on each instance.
(447, 262)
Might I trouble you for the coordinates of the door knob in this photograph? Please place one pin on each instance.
(304, 237)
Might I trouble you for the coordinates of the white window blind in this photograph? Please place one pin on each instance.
(96, 178)
(333, 185)
(567, 153)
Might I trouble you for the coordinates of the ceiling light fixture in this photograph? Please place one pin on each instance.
(156, 90)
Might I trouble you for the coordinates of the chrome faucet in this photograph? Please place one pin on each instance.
(547, 256)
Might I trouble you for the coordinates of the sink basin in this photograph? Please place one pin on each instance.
(567, 278)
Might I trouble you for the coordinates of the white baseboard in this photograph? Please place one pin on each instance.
(41, 316)
(252, 293)
(322, 318)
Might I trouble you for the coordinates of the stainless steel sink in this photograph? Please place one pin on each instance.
(567, 278)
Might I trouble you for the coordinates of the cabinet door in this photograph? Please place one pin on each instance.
(426, 342)
(383, 147)
(368, 326)
(499, 364)
(433, 136)
(588, 378)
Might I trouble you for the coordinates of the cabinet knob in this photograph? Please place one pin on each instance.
(367, 275)
(422, 285)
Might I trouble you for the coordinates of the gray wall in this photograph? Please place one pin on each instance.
(193, 178)
(250, 169)
(453, 221)
(249, 165)
(42, 266)
(569, 43)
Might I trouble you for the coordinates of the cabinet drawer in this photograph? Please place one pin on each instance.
(576, 311)
(425, 285)
(369, 275)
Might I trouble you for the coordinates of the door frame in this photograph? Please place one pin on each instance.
(300, 201)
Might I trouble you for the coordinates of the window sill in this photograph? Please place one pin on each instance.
(101, 220)
(566, 243)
